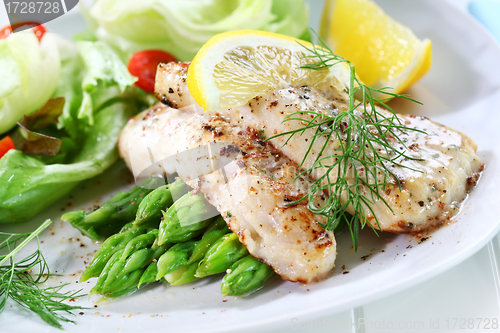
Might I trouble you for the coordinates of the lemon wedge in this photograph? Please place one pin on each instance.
(385, 52)
(234, 67)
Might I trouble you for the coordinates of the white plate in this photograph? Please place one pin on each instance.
(462, 90)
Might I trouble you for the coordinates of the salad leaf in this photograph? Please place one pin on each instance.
(10, 76)
(46, 116)
(291, 19)
(27, 137)
(31, 142)
(29, 185)
(70, 87)
(29, 75)
(86, 90)
(103, 65)
(182, 27)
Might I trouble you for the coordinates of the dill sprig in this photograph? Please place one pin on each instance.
(18, 283)
(361, 163)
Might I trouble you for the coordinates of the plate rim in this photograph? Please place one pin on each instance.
(430, 273)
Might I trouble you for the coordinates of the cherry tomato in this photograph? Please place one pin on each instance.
(38, 29)
(143, 65)
(6, 144)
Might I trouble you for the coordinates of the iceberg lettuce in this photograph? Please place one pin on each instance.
(182, 27)
(91, 78)
(29, 75)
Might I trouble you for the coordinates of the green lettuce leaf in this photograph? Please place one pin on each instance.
(103, 65)
(29, 185)
(87, 81)
(70, 87)
(182, 27)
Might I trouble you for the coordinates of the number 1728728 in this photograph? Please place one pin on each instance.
(472, 323)
(33, 7)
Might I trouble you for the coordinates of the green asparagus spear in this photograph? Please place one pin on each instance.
(124, 274)
(186, 273)
(109, 248)
(149, 275)
(175, 257)
(150, 209)
(225, 252)
(112, 215)
(215, 231)
(176, 269)
(189, 208)
(128, 274)
(117, 263)
(246, 276)
(183, 274)
(105, 272)
(151, 271)
(173, 263)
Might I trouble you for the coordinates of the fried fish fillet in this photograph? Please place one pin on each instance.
(253, 193)
(437, 168)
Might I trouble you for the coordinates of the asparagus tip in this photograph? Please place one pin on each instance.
(73, 217)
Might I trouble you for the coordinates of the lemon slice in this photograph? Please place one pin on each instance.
(385, 52)
(234, 67)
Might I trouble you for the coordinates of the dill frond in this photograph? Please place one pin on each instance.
(361, 164)
(18, 283)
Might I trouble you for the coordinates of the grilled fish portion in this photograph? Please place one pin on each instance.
(252, 193)
(170, 85)
(440, 164)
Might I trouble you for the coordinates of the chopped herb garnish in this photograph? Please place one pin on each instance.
(262, 135)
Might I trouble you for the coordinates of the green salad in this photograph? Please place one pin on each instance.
(96, 94)
(63, 104)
